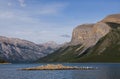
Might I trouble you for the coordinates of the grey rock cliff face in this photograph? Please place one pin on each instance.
(81, 34)
(17, 50)
(88, 34)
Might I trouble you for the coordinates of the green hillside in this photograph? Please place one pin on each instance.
(64, 54)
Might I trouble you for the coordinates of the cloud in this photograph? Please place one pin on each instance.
(15, 17)
(23, 32)
(65, 36)
(9, 4)
(6, 15)
(29, 23)
(32, 32)
(52, 8)
(22, 3)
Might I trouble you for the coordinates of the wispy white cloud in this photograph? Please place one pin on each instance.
(9, 4)
(22, 3)
(23, 23)
(53, 8)
(23, 32)
(14, 16)
(32, 32)
(65, 36)
(20, 17)
(6, 15)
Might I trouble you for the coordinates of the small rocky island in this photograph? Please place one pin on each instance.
(58, 67)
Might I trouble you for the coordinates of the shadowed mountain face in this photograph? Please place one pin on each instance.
(17, 51)
(91, 43)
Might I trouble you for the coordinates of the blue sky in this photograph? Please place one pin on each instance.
(51, 20)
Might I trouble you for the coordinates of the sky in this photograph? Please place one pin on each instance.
(41, 21)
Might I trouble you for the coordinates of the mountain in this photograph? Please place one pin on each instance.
(99, 42)
(49, 47)
(51, 44)
(107, 49)
(18, 51)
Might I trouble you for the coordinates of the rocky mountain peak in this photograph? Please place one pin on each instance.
(15, 41)
(89, 34)
(115, 18)
(51, 44)
(17, 50)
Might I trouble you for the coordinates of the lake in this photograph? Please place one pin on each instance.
(103, 71)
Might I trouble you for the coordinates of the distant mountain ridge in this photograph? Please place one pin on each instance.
(51, 44)
(91, 43)
(18, 51)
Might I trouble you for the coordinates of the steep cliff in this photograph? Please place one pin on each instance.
(16, 50)
(85, 42)
(107, 49)
(89, 34)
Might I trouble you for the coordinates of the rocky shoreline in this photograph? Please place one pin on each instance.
(58, 67)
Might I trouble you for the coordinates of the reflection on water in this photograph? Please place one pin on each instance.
(103, 71)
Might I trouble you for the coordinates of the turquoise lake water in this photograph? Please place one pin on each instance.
(103, 71)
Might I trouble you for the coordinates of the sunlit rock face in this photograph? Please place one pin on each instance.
(82, 34)
(114, 18)
(89, 34)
